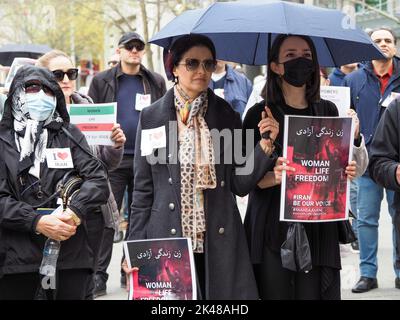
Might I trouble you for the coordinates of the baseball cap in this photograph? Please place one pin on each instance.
(129, 36)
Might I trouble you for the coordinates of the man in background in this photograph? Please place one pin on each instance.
(134, 88)
(231, 85)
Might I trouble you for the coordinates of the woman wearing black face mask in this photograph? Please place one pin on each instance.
(292, 88)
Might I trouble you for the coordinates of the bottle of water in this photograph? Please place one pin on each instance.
(51, 251)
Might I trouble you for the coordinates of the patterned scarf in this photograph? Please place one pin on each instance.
(31, 135)
(196, 156)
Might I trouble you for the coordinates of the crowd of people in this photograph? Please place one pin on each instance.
(188, 194)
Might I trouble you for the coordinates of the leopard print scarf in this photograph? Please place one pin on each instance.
(196, 156)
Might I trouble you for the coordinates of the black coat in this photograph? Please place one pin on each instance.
(157, 199)
(104, 86)
(262, 216)
(20, 244)
(385, 149)
(385, 157)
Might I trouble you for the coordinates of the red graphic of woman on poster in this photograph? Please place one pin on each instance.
(165, 269)
(319, 149)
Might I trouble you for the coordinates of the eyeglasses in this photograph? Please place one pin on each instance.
(193, 64)
(36, 87)
(72, 74)
(139, 46)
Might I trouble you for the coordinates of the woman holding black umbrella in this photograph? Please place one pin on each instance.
(292, 89)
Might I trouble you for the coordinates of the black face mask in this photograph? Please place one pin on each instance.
(298, 71)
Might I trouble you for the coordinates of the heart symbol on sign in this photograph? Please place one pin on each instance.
(62, 155)
(157, 135)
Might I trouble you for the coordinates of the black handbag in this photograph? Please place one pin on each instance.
(69, 186)
(65, 189)
(295, 251)
(345, 232)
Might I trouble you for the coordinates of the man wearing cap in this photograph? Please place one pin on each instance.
(133, 87)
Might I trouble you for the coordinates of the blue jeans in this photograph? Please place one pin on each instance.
(369, 200)
(353, 204)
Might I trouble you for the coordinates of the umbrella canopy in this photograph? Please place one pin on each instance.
(10, 51)
(243, 31)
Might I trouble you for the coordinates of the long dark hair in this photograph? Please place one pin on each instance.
(274, 81)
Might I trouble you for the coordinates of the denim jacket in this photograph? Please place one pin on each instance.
(237, 89)
(366, 96)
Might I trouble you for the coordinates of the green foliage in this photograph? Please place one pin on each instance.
(62, 24)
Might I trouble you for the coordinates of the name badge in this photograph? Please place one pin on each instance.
(59, 158)
(392, 96)
(220, 93)
(142, 101)
(152, 139)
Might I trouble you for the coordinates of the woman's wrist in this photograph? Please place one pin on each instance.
(268, 148)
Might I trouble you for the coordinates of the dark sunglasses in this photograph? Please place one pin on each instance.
(36, 87)
(139, 46)
(193, 64)
(72, 74)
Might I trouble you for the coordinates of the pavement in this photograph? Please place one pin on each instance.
(349, 274)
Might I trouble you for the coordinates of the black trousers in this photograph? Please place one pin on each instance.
(119, 179)
(396, 224)
(200, 265)
(70, 285)
(277, 283)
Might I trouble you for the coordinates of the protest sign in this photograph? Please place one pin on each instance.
(95, 121)
(319, 148)
(165, 269)
(340, 96)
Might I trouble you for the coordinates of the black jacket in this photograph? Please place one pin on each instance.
(385, 158)
(156, 202)
(104, 86)
(262, 216)
(20, 244)
(385, 151)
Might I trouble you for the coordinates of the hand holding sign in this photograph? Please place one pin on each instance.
(118, 136)
(281, 165)
(351, 170)
(128, 271)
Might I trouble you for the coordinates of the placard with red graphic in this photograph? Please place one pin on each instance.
(319, 149)
(165, 269)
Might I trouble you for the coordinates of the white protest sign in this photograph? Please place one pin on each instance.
(340, 96)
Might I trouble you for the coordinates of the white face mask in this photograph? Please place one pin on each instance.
(39, 105)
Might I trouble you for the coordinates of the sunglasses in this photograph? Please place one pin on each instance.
(36, 87)
(139, 46)
(72, 74)
(193, 64)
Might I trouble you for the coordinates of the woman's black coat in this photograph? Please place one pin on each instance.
(20, 246)
(262, 223)
(157, 198)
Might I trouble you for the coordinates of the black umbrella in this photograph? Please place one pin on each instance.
(10, 51)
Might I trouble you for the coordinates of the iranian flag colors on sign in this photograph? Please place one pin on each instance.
(95, 121)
